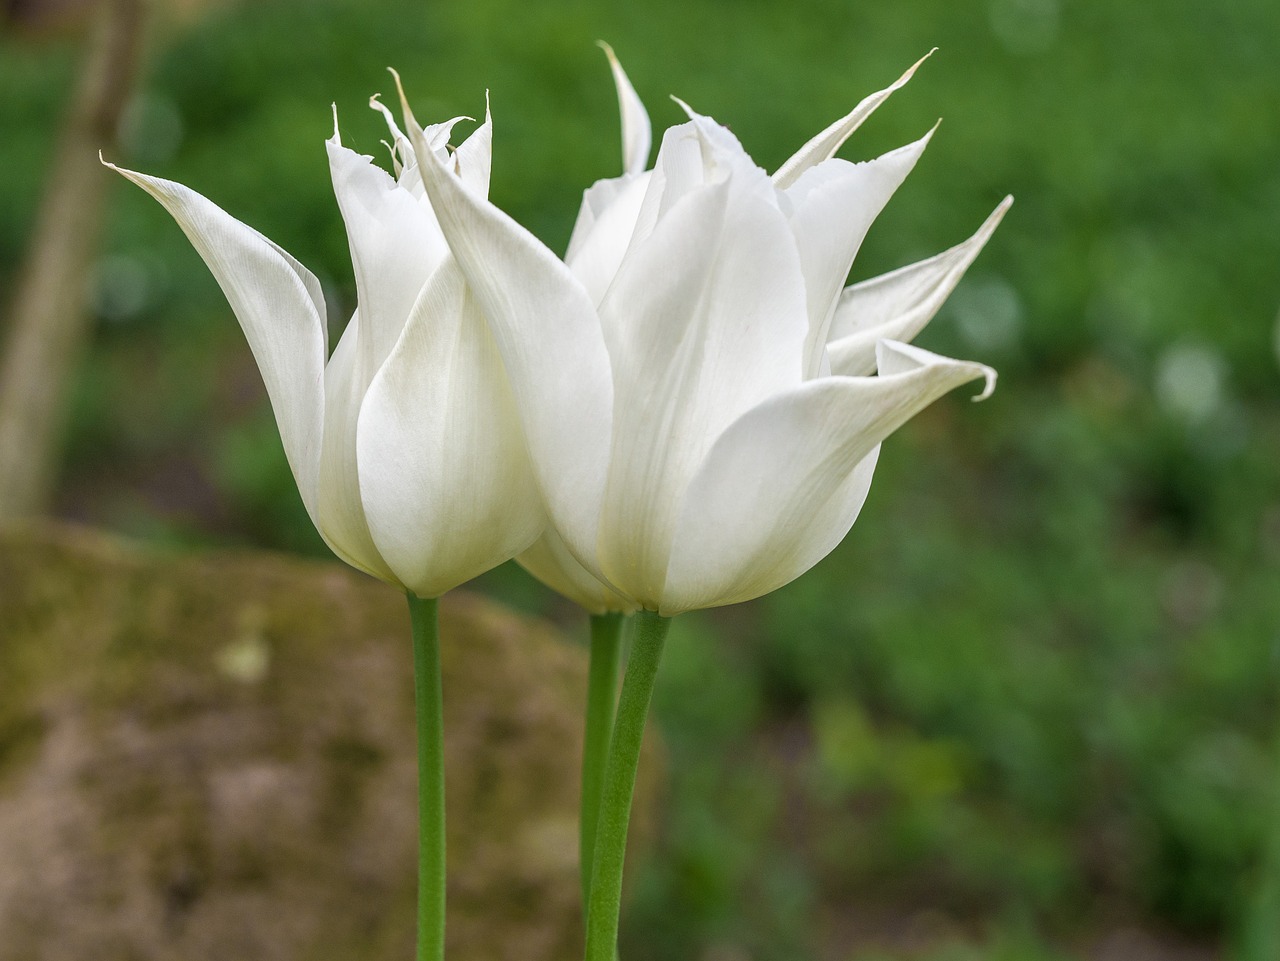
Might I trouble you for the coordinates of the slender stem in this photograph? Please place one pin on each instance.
(619, 786)
(602, 696)
(429, 699)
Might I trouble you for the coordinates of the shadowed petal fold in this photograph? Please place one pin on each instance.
(395, 245)
(705, 320)
(550, 562)
(341, 521)
(602, 234)
(444, 475)
(546, 329)
(833, 206)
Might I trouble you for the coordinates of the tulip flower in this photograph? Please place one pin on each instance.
(695, 381)
(406, 445)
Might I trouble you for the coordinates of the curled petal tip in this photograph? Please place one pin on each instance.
(989, 384)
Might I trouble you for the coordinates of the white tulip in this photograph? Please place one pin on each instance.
(405, 444)
(693, 381)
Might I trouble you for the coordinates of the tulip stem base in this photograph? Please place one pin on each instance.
(429, 700)
(602, 698)
(619, 785)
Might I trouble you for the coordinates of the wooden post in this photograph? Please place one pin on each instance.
(48, 322)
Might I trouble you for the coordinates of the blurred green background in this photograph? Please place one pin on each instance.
(1029, 709)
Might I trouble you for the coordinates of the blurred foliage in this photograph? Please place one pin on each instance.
(1028, 710)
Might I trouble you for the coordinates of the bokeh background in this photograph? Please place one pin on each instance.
(1030, 709)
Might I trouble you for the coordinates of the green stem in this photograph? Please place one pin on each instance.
(429, 699)
(602, 696)
(619, 786)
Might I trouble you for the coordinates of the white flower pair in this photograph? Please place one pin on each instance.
(683, 413)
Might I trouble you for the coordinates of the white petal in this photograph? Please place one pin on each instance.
(825, 144)
(603, 232)
(341, 520)
(693, 155)
(551, 344)
(735, 554)
(550, 562)
(473, 160)
(784, 483)
(395, 245)
(679, 169)
(406, 164)
(833, 206)
(898, 305)
(445, 479)
(637, 134)
(281, 310)
(705, 320)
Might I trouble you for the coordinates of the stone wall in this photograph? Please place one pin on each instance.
(212, 757)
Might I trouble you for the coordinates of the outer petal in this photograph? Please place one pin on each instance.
(705, 320)
(899, 304)
(281, 310)
(444, 476)
(833, 206)
(547, 332)
(395, 245)
(550, 562)
(637, 134)
(776, 494)
(825, 144)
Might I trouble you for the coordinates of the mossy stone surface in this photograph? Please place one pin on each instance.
(212, 757)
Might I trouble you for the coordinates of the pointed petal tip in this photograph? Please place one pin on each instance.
(983, 233)
(911, 70)
(406, 112)
(608, 51)
(336, 139)
(689, 111)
